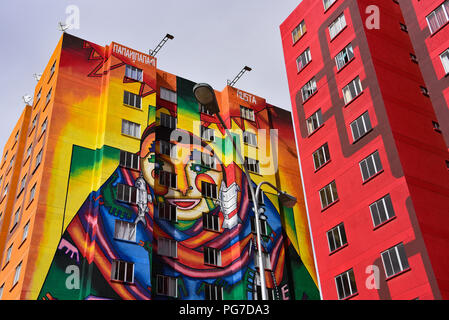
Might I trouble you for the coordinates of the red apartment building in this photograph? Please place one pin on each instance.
(375, 171)
(427, 23)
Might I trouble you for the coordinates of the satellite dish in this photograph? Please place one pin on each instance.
(63, 27)
(27, 99)
(37, 76)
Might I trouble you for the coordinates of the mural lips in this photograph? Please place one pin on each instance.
(184, 204)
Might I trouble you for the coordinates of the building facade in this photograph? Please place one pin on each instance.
(426, 23)
(116, 184)
(374, 168)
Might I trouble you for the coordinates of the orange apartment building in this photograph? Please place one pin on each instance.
(21, 177)
(96, 109)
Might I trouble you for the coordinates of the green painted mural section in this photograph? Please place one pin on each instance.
(87, 159)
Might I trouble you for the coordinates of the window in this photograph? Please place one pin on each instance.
(16, 137)
(134, 73)
(344, 56)
(260, 197)
(207, 134)
(346, 284)
(28, 154)
(208, 190)
(211, 222)
(252, 165)
(314, 122)
(33, 124)
(352, 90)
(23, 183)
(266, 261)
(167, 179)
(382, 210)
(125, 230)
(38, 159)
(130, 128)
(11, 162)
(168, 121)
(168, 95)
(321, 156)
(205, 110)
(167, 286)
(337, 26)
(436, 126)
(360, 126)
(270, 293)
(303, 59)
(395, 260)
(445, 60)
(38, 96)
(212, 256)
(17, 274)
(328, 195)
(53, 69)
(16, 219)
(126, 193)
(44, 126)
(213, 292)
(1, 291)
(25, 231)
(263, 226)
(299, 31)
(5, 190)
(122, 271)
(8, 255)
(336, 237)
(403, 27)
(167, 148)
(370, 166)
(167, 247)
(327, 4)
(32, 193)
(129, 160)
(439, 17)
(424, 91)
(48, 96)
(6, 156)
(167, 211)
(208, 160)
(247, 113)
(308, 90)
(133, 100)
(250, 138)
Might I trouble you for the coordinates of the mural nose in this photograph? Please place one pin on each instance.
(182, 184)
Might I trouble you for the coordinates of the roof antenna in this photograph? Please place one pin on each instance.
(27, 99)
(167, 37)
(37, 76)
(63, 27)
(233, 82)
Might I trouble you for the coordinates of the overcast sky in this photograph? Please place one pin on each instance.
(214, 40)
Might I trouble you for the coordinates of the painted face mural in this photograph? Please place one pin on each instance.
(230, 206)
(93, 246)
(179, 225)
(185, 165)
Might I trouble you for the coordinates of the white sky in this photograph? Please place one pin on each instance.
(214, 40)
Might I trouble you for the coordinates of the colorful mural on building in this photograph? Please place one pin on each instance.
(86, 253)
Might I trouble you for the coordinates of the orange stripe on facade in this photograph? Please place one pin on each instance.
(78, 235)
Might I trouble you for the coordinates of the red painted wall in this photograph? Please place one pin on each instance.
(412, 153)
(428, 48)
